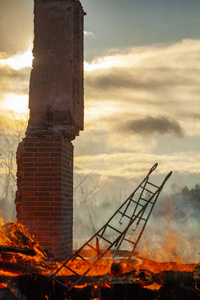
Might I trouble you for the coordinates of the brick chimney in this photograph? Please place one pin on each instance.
(44, 198)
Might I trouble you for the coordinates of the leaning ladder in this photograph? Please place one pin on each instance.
(132, 216)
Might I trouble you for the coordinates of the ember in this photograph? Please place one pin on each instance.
(26, 272)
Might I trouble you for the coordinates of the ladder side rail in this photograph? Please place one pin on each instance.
(129, 200)
(141, 212)
(130, 223)
(145, 180)
(145, 222)
(143, 187)
(92, 265)
(141, 194)
(154, 194)
(127, 203)
(158, 193)
(122, 236)
(152, 169)
(119, 241)
(117, 211)
(149, 201)
(83, 275)
(78, 280)
(73, 257)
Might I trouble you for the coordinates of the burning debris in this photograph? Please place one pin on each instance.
(99, 269)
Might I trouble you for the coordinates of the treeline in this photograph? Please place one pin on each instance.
(181, 204)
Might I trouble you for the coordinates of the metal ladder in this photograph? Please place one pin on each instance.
(124, 228)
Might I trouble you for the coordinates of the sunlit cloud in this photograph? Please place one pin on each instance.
(137, 104)
(18, 61)
(141, 107)
(15, 103)
(135, 165)
(149, 81)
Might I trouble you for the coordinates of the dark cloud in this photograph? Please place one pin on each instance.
(150, 125)
(14, 81)
(150, 79)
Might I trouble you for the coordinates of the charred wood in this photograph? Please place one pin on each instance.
(6, 294)
(175, 286)
(17, 268)
(26, 251)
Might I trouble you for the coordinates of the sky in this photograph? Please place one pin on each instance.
(142, 87)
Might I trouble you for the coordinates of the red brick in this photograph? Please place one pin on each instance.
(43, 164)
(46, 190)
(44, 154)
(25, 155)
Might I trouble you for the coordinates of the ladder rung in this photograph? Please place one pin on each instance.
(104, 239)
(146, 200)
(129, 241)
(153, 185)
(114, 229)
(78, 280)
(124, 215)
(84, 258)
(92, 247)
(149, 191)
(137, 203)
(71, 270)
(141, 219)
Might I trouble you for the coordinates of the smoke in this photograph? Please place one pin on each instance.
(171, 234)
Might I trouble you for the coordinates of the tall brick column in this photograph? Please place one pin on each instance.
(45, 191)
(44, 198)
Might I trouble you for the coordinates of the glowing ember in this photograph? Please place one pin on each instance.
(22, 255)
(15, 235)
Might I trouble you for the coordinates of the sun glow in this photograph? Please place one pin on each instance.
(16, 103)
(19, 61)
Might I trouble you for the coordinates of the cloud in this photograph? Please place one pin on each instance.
(147, 81)
(131, 164)
(142, 78)
(13, 81)
(138, 105)
(142, 107)
(150, 126)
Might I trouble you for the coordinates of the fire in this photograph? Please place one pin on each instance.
(21, 254)
(16, 235)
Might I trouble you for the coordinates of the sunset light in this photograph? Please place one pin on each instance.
(93, 96)
(15, 103)
(18, 61)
